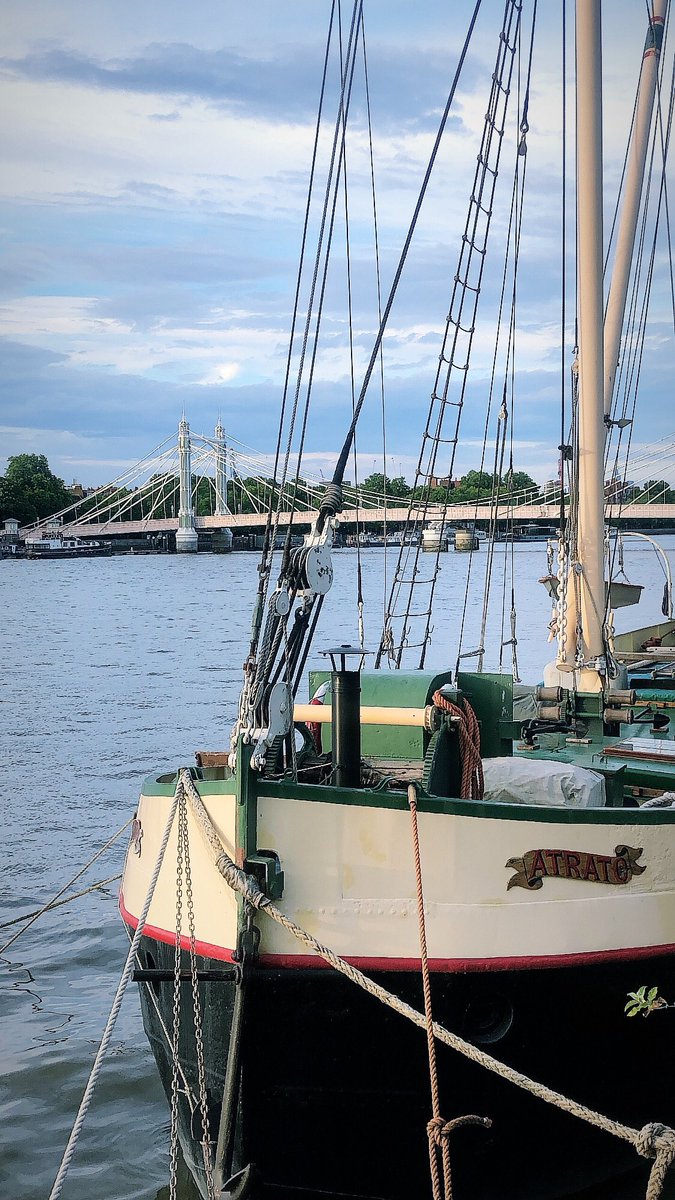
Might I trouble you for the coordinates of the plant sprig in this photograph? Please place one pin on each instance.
(644, 1002)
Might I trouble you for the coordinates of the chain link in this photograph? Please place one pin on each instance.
(197, 1017)
(175, 1041)
(184, 881)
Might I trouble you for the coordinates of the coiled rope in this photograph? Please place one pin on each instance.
(473, 785)
(114, 1012)
(654, 1140)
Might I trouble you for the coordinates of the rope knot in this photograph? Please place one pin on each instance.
(439, 1130)
(656, 1140)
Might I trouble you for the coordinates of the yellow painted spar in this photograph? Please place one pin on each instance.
(321, 714)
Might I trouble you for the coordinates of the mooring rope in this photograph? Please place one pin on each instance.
(441, 1144)
(51, 903)
(57, 903)
(654, 1140)
(114, 1012)
(438, 1130)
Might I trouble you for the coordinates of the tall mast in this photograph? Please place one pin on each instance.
(633, 190)
(590, 532)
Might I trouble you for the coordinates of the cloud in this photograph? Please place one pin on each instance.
(245, 83)
(152, 213)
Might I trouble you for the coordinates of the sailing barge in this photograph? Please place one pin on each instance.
(543, 894)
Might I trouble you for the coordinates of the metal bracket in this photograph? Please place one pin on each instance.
(280, 721)
(265, 867)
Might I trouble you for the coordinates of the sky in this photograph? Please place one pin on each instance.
(155, 165)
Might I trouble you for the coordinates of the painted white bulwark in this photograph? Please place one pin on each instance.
(350, 882)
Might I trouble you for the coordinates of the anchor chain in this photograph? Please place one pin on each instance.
(184, 878)
(175, 1039)
(197, 1015)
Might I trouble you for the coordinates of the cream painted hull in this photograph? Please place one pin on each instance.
(349, 881)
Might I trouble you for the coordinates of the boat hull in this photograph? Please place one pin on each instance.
(334, 1092)
(334, 1088)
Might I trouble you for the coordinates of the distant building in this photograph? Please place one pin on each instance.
(618, 491)
(444, 481)
(9, 538)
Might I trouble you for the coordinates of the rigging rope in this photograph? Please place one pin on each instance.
(258, 670)
(329, 509)
(271, 528)
(352, 381)
(378, 282)
(449, 390)
(629, 371)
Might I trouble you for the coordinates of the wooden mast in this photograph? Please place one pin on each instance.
(589, 570)
(635, 171)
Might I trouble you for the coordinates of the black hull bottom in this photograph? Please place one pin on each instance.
(333, 1092)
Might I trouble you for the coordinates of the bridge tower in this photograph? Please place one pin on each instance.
(186, 534)
(221, 472)
(221, 542)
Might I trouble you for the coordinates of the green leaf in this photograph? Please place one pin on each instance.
(652, 994)
(633, 1013)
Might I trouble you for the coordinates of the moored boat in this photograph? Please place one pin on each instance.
(61, 545)
(399, 850)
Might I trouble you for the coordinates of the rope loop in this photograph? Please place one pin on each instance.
(332, 499)
(468, 729)
(656, 1141)
(240, 882)
(439, 1130)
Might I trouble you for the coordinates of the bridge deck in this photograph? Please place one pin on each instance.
(369, 516)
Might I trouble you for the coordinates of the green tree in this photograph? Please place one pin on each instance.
(520, 481)
(476, 485)
(381, 484)
(29, 491)
(479, 485)
(655, 491)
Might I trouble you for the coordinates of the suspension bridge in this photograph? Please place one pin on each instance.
(217, 486)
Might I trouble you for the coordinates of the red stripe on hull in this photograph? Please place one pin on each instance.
(448, 966)
(205, 949)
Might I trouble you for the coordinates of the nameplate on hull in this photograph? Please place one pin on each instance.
(537, 865)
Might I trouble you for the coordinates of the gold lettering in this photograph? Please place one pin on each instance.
(554, 857)
(571, 862)
(591, 871)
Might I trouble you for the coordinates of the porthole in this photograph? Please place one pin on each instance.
(487, 1019)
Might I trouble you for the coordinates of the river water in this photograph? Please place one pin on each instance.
(112, 669)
